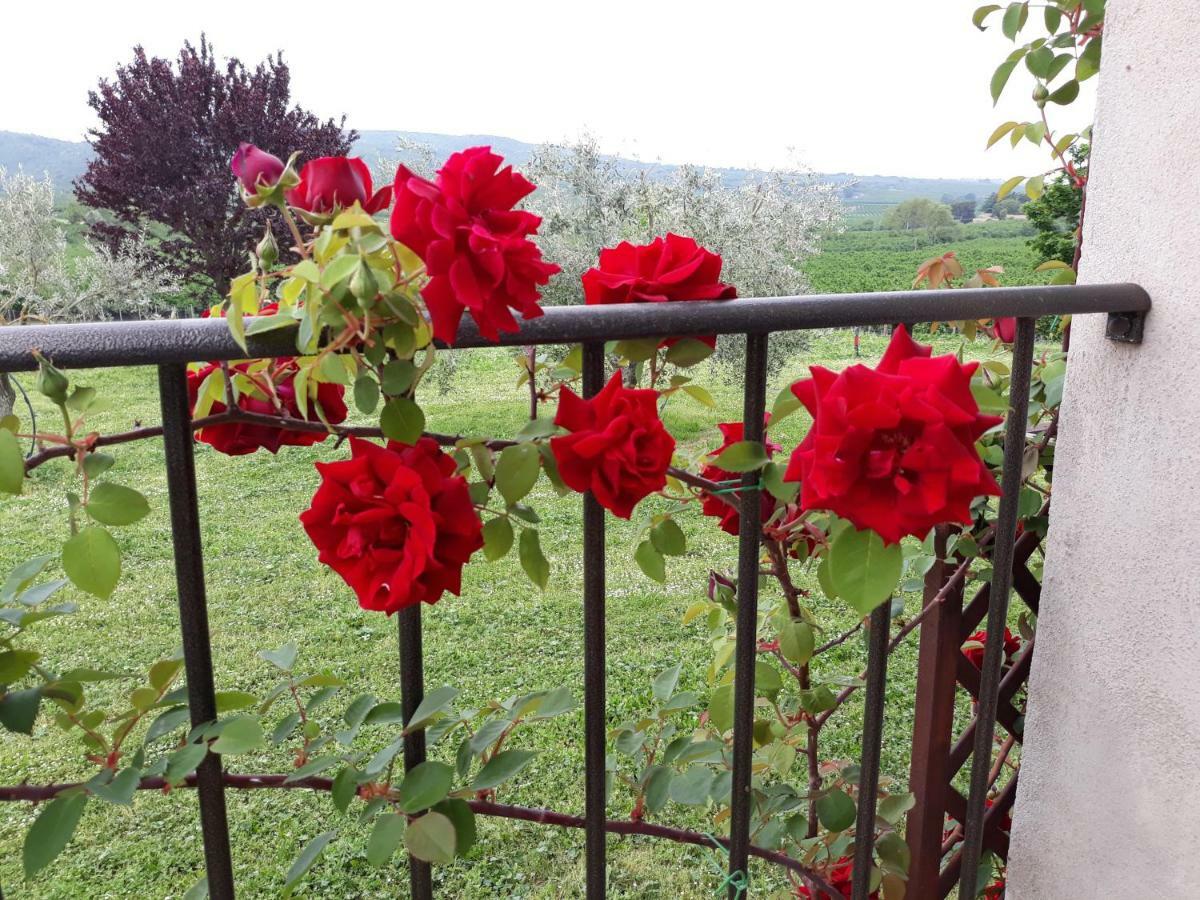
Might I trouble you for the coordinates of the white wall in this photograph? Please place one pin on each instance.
(1109, 797)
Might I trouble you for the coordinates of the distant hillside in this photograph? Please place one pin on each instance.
(66, 160)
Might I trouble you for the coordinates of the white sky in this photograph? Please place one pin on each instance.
(871, 87)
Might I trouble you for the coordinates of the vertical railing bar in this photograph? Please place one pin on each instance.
(868, 775)
(594, 671)
(749, 543)
(412, 692)
(1002, 561)
(193, 618)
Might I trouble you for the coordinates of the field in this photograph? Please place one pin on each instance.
(498, 639)
(886, 261)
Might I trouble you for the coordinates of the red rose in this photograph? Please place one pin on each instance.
(331, 182)
(1012, 647)
(618, 448)
(1004, 330)
(893, 448)
(252, 166)
(396, 522)
(713, 505)
(475, 246)
(839, 878)
(240, 438)
(670, 268)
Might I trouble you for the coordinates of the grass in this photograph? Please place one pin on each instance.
(500, 638)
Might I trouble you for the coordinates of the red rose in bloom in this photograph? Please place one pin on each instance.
(252, 166)
(1004, 330)
(1012, 646)
(240, 438)
(893, 448)
(670, 268)
(839, 878)
(396, 522)
(330, 182)
(713, 505)
(476, 247)
(618, 448)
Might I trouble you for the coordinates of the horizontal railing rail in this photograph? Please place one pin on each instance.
(186, 340)
(170, 344)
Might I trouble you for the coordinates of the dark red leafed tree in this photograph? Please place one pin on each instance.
(162, 150)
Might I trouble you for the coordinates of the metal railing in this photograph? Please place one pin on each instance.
(171, 344)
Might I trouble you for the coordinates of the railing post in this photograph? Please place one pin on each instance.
(412, 692)
(746, 651)
(933, 723)
(594, 671)
(868, 775)
(1016, 426)
(193, 618)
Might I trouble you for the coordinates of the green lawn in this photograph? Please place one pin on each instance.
(500, 638)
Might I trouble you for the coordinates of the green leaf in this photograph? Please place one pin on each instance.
(1053, 18)
(436, 702)
(459, 812)
(497, 538)
(502, 767)
(304, 861)
(720, 708)
(700, 395)
(1066, 93)
(1039, 61)
(164, 670)
(1000, 132)
(366, 394)
(665, 683)
(863, 570)
(796, 642)
(1014, 19)
(183, 762)
(425, 784)
(1089, 60)
(432, 837)
(688, 352)
(19, 709)
(12, 463)
(385, 838)
(517, 471)
(338, 270)
(978, 17)
(345, 788)
(14, 664)
(121, 789)
(692, 786)
(742, 456)
(836, 811)
(535, 564)
(241, 734)
(651, 562)
(893, 806)
(893, 852)
(92, 560)
(1008, 186)
(668, 538)
(397, 376)
(50, 834)
(402, 420)
(656, 787)
(166, 723)
(1035, 186)
(282, 658)
(785, 404)
(307, 270)
(22, 576)
(198, 891)
(772, 481)
(1000, 78)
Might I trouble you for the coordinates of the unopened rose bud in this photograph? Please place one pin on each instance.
(50, 381)
(1040, 95)
(253, 167)
(267, 249)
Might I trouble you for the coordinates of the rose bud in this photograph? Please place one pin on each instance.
(267, 249)
(253, 167)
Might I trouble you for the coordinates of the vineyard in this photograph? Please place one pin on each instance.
(887, 260)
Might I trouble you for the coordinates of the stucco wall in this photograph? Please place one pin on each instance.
(1109, 798)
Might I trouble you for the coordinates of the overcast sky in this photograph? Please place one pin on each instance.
(871, 87)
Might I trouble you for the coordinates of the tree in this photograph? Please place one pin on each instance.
(163, 146)
(917, 213)
(963, 210)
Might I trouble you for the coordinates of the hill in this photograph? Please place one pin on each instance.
(66, 160)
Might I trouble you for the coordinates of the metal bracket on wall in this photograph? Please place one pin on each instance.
(1126, 327)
